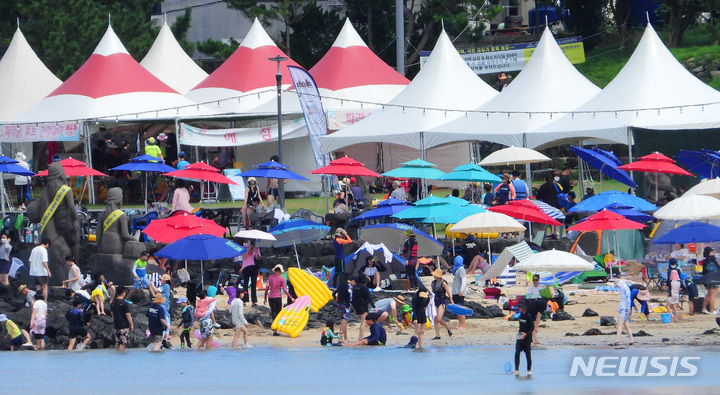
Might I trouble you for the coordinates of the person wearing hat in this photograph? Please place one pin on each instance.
(237, 314)
(410, 253)
(14, 332)
(166, 291)
(152, 149)
(624, 310)
(378, 336)
(388, 308)
(642, 295)
(21, 182)
(157, 324)
(398, 191)
(252, 200)
(122, 319)
(162, 140)
(442, 292)
(504, 191)
(274, 291)
(524, 339)
(181, 163)
(672, 267)
(357, 193)
(28, 294)
(188, 319)
(420, 301)
(673, 299)
(340, 239)
(709, 265)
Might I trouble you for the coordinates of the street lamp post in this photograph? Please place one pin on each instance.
(278, 78)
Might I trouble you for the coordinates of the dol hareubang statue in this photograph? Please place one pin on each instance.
(112, 231)
(56, 214)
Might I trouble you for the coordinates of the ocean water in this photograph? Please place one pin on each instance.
(333, 370)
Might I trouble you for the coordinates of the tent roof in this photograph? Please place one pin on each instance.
(24, 79)
(111, 84)
(548, 83)
(247, 72)
(167, 61)
(652, 91)
(444, 82)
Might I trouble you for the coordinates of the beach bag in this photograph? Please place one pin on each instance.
(562, 198)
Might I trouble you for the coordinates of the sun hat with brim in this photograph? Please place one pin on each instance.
(643, 295)
(3, 318)
(339, 231)
(251, 179)
(400, 299)
(409, 232)
(158, 299)
(22, 287)
(437, 273)
(162, 137)
(522, 305)
(279, 267)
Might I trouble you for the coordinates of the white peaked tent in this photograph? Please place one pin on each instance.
(548, 83)
(167, 61)
(246, 79)
(652, 91)
(111, 84)
(24, 79)
(444, 83)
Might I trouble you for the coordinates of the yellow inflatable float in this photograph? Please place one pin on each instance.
(293, 318)
(307, 284)
(449, 234)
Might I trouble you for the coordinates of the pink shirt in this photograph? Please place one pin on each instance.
(275, 283)
(249, 259)
(181, 200)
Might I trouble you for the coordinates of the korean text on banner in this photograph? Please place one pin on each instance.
(312, 110)
(61, 131)
(190, 135)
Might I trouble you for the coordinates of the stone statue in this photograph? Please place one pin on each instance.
(56, 214)
(112, 226)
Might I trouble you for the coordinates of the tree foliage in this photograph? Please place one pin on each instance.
(314, 34)
(679, 15)
(587, 18)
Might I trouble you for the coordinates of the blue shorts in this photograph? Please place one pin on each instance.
(344, 312)
(142, 282)
(17, 342)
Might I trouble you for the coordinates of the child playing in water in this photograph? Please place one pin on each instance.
(238, 318)
(328, 335)
(188, 319)
(524, 339)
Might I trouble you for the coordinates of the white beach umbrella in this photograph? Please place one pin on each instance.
(513, 156)
(254, 234)
(709, 187)
(690, 207)
(554, 261)
(488, 222)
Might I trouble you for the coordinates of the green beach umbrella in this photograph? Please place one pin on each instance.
(470, 172)
(417, 168)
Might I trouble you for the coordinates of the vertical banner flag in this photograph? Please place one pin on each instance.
(312, 109)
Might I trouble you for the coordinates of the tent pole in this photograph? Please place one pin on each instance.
(2, 193)
(630, 144)
(581, 171)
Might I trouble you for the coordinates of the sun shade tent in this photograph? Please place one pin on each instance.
(167, 61)
(652, 91)
(389, 262)
(547, 85)
(445, 82)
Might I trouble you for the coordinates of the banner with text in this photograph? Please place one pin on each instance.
(61, 131)
(512, 57)
(309, 97)
(190, 135)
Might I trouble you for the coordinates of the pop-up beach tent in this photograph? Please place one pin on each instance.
(167, 61)
(652, 91)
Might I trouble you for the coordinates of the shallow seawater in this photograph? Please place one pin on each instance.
(332, 370)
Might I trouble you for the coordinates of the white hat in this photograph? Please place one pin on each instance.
(3, 318)
(20, 156)
(162, 137)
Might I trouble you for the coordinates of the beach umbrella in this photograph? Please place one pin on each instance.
(603, 199)
(690, 207)
(384, 209)
(525, 213)
(293, 232)
(605, 164)
(201, 248)
(513, 156)
(74, 168)
(9, 166)
(345, 166)
(551, 211)
(553, 261)
(273, 169)
(709, 187)
(655, 163)
(456, 200)
(605, 220)
(441, 212)
(392, 235)
(254, 234)
(167, 230)
(704, 162)
(629, 213)
(608, 154)
(471, 173)
(417, 168)
(691, 232)
(201, 171)
(145, 164)
(488, 222)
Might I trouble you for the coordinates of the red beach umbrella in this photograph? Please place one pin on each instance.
(345, 166)
(179, 226)
(526, 213)
(606, 220)
(201, 171)
(655, 163)
(74, 168)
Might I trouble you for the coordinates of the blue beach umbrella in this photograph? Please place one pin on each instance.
(603, 199)
(392, 235)
(293, 232)
(692, 232)
(145, 164)
(629, 213)
(433, 209)
(704, 162)
(608, 154)
(201, 248)
(417, 168)
(604, 161)
(273, 169)
(383, 209)
(8, 165)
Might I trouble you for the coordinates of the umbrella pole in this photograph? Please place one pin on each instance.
(452, 238)
(202, 276)
(489, 250)
(297, 258)
(145, 201)
(2, 193)
(657, 197)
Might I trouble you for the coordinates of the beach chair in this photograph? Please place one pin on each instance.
(539, 237)
(140, 223)
(560, 277)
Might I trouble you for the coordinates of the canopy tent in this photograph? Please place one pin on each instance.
(24, 79)
(444, 83)
(167, 61)
(652, 91)
(111, 84)
(548, 83)
(247, 78)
